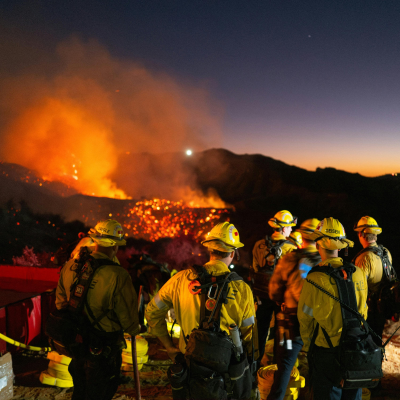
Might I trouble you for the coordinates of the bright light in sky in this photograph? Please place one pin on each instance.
(189, 152)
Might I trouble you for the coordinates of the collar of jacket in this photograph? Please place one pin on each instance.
(278, 236)
(334, 261)
(216, 267)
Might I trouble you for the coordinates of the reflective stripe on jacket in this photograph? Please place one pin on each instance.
(371, 264)
(111, 290)
(315, 306)
(175, 294)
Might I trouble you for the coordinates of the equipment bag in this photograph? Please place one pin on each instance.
(260, 279)
(273, 250)
(359, 359)
(69, 330)
(214, 372)
(388, 271)
(386, 300)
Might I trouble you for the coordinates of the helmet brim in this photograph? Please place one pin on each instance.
(217, 244)
(369, 229)
(107, 242)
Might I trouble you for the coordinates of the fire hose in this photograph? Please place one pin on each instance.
(24, 346)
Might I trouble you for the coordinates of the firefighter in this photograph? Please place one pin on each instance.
(284, 289)
(222, 242)
(378, 269)
(296, 239)
(266, 253)
(315, 307)
(111, 308)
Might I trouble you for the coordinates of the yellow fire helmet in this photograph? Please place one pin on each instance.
(108, 233)
(223, 237)
(368, 225)
(283, 218)
(296, 239)
(308, 227)
(330, 235)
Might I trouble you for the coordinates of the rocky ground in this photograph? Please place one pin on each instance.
(154, 382)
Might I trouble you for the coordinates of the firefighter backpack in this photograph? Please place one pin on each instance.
(359, 358)
(216, 371)
(69, 331)
(386, 300)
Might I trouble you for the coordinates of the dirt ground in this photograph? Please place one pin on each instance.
(154, 382)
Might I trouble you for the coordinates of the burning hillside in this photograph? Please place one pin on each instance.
(158, 218)
(73, 124)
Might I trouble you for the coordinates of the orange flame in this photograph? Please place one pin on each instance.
(74, 124)
(63, 142)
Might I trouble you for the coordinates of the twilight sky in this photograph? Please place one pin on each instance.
(311, 83)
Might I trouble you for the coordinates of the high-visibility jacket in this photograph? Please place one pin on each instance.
(111, 292)
(317, 307)
(288, 277)
(175, 294)
(260, 250)
(371, 264)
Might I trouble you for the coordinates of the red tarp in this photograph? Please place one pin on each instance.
(27, 298)
(30, 273)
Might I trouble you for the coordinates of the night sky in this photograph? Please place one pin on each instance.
(311, 83)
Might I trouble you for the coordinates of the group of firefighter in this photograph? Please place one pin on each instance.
(212, 304)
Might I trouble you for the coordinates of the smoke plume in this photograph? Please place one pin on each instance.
(74, 114)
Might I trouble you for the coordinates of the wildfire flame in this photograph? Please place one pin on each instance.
(74, 124)
(64, 143)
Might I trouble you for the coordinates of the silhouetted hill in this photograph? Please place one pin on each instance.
(256, 185)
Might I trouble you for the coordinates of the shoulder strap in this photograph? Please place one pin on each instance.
(96, 321)
(354, 312)
(80, 287)
(387, 266)
(207, 317)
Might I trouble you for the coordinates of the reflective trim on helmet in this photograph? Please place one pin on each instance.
(308, 310)
(279, 222)
(248, 321)
(159, 303)
(99, 234)
(330, 237)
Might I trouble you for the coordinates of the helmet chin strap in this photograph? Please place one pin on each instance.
(237, 254)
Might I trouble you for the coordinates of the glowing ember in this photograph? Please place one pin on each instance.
(159, 218)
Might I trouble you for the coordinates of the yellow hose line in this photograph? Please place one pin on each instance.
(24, 346)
